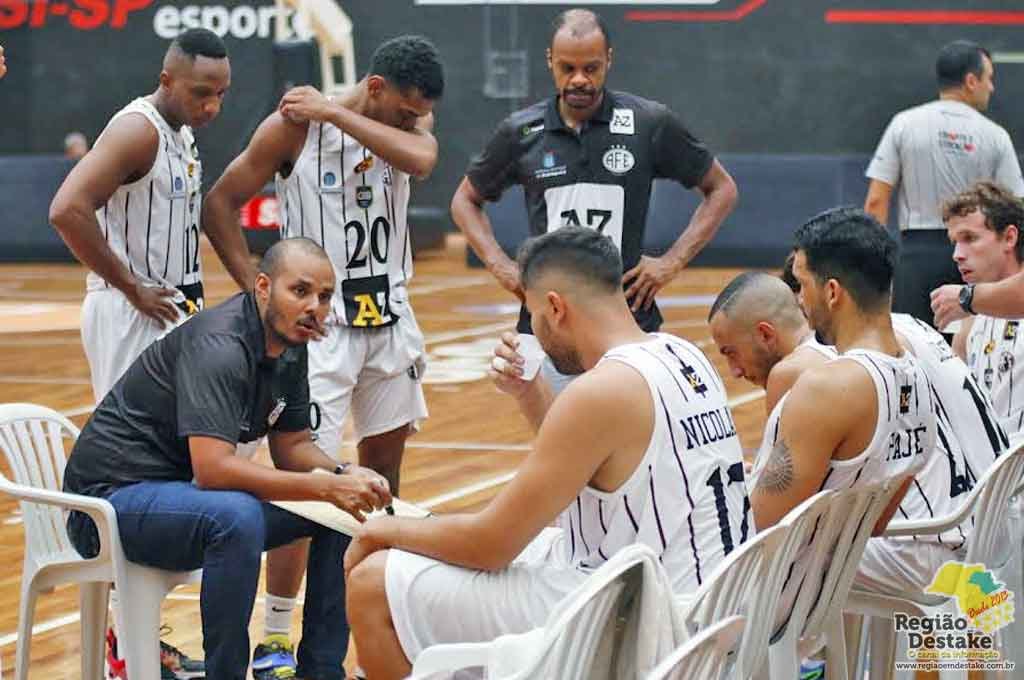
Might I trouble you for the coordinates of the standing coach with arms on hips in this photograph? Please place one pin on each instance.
(587, 157)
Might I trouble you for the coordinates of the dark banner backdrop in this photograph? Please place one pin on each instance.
(750, 76)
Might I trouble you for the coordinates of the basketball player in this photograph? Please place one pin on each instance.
(886, 429)
(742, 325)
(983, 223)
(639, 448)
(343, 179)
(129, 211)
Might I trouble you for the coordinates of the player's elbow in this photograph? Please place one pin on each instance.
(60, 215)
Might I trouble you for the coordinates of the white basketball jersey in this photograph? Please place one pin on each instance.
(812, 343)
(152, 224)
(992, 352)
(686, 499)
(969, 437)
(354, 204)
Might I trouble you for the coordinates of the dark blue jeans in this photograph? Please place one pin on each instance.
(179, 527)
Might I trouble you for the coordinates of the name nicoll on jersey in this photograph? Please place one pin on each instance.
(708, 427)
(241, 21)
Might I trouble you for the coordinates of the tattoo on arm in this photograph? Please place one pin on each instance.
(777, 476)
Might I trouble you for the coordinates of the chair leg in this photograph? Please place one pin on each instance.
(882, 648)
(782, 658)
(138, 625)
(93, 599)
(836, 667)
(26, 616)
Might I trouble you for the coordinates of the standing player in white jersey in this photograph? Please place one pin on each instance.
(129, 210)
(887, 429)
(343, 173)
(640, 448)
(984, 223)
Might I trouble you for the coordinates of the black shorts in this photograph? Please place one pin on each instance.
(925, 263)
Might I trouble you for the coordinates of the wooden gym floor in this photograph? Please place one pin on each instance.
(465, 451)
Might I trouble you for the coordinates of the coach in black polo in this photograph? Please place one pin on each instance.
(160, 448)
(587, 156)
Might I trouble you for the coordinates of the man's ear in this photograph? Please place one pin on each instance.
(375, 84)
(262, 287)
(557, 305)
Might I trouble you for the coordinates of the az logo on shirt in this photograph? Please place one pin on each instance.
(622, 122)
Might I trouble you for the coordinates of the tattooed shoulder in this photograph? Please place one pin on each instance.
(777, 476)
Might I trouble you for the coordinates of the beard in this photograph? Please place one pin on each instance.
(274, 324)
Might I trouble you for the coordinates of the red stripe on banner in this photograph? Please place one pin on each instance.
(843, 16)
(697, 15)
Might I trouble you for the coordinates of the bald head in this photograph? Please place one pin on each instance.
(580, 23)
(755, 296)
(290, 249)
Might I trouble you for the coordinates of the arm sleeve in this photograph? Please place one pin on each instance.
(885, 164)
(295, 416)
(212, 379)
(677, 153)
(494, 169)
(1008, 170)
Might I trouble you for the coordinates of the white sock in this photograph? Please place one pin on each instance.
(278, 612)
(115, 602)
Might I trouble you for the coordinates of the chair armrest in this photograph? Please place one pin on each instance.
(450, 657)
(100, 510)
(924, 527)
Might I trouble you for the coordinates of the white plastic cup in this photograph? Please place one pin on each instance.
(532, 353)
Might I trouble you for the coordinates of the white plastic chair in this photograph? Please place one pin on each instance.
(592, 634)
(33, 441)
(836, 546)
(749, 582)
(704, 656)
(988, 503)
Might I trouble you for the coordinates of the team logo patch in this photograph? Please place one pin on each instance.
(191, 169)
(549, 159)
(329, 179)
(1005, 363)
(387, 175)
(622, 122)
(987, 377)
(618, 160)
(276, 412)
(905, 392)
(364, 196)
(179, 184)
(364, 165)
(1010, 331)
(990, 347)
(528, 130)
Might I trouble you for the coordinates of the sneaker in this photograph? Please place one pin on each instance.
(115, 666)
(812, 670)
(274, 659)
(176, 665)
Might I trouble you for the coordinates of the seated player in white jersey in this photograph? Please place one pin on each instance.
(752, 323)
(343, 170)
(887, 428)
(129, 210)
(611, 464)
(984, 223)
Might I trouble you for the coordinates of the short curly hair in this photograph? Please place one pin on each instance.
(1000, 207)
(410, 61)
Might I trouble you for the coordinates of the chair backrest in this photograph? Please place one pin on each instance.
(988, 502)
(704, 656)
(749, 583)
(33, 441)
(836, 547)
(583, 632)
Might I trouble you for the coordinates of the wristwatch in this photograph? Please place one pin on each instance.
(341, 468)
(967, 298)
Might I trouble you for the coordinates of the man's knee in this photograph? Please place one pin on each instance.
(239, 520)
(366, 585)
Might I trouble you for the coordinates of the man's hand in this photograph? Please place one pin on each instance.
(507, 273)
(649, 276)
(507, 366)
(357, 491)
(302, 104)
(362, 546)
(946, 305)
(156, 303)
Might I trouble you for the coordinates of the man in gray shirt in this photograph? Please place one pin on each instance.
(932, 152)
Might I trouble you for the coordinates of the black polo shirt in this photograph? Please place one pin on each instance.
(599, 176)
(209, 377)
